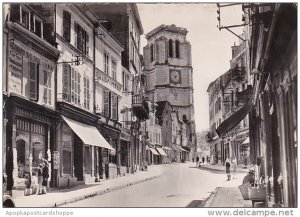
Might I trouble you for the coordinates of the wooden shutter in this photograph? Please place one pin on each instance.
(87, 49)
(66, 25)
(66, 82)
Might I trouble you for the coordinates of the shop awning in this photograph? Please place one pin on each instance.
(183, 150)
(88, 134)
(166, 148)
(234, 119)
(161, 151)
(154, 151)
(246, 141)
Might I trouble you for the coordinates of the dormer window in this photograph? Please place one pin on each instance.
(31, 21)
(24, 15)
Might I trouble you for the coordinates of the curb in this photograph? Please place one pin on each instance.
(211, 197)
(99, 192)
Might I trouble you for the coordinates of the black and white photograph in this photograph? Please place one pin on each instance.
(150, 105)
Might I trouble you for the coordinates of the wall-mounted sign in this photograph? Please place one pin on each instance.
(15, 71)
(55, 160)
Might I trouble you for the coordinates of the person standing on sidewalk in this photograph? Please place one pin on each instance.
(197, 161)
(45, 174)
(40, 179)
(227, 166)
(234, 168)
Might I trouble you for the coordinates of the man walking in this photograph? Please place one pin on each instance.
(197, 161)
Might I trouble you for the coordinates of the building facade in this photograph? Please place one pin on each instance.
(168, 70)
(28, 95)
(271, 104)
(127, 29)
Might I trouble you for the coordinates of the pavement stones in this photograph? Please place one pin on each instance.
(60, 197)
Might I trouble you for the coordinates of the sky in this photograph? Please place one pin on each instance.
(211, 48)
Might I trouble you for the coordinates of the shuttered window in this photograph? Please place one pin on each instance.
(107, 103)
(66, 26)
(81, 39)
(86, 84)
(114, 107)
(33, 80)
(66, 82)
(47, 87)
(75, 87)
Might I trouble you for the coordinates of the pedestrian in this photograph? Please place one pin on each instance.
(45, 174)
(234, 168)
(193, 160)
(207, 160)
(203, 159)
(40, 179)
(197, 161)
(249, 178)
(227, 166)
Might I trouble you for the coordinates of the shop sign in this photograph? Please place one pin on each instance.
(15, 67)
(32, 115)
(66, 144)
(55, 160)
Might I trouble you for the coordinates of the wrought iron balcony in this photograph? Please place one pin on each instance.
(140, 107)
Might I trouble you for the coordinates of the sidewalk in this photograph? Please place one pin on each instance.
(59, 197)
(229, 194)
(222, 168)
(227, 197)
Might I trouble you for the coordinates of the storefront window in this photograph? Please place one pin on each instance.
(37, 153)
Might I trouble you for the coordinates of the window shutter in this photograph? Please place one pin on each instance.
(75, 34)
(66, 25)
(87, 44)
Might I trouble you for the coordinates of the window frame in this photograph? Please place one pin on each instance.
(67, 25)
(34, 82)
(113, 69)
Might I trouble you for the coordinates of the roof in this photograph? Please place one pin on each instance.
(169, 28)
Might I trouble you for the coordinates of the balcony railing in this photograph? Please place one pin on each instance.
(140, 106)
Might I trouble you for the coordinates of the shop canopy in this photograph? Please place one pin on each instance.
(234, 119)
(88, 134)
(183, 150)
(154, 151)
(161, 151)
(166, 148)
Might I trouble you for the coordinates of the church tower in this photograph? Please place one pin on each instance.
(168, 70)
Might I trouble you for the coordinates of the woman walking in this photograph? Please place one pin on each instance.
(227, 165)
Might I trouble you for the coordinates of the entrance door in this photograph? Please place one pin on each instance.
(20, 145)
(78, 158)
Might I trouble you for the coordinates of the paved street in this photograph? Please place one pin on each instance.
(179, 185)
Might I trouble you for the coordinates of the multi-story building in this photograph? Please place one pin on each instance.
(108, 95)
(215, 119)
(29, 78)
(127, 29)
(168, 69)
(271, 105)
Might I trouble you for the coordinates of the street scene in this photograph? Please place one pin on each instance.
(149, 105)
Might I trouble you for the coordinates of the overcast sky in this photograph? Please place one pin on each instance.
(211, 48)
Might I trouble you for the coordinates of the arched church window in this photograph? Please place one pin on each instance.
(151, 53)
(170, 48)
(177, 49)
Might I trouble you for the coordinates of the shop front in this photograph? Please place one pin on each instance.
(29, 138)
(110, 160)
(80, 149)
(124, 151)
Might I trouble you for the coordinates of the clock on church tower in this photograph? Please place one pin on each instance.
(175, 76)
